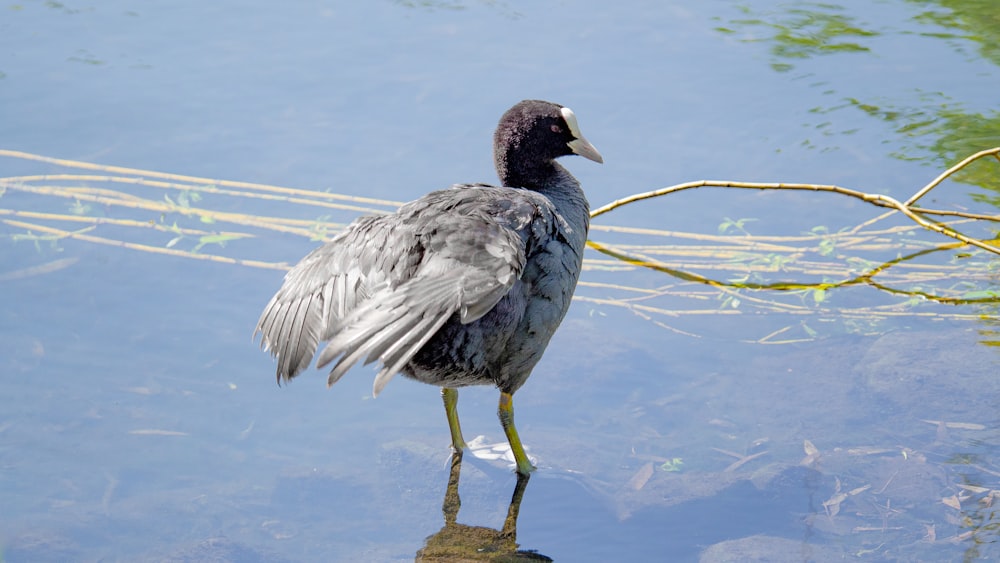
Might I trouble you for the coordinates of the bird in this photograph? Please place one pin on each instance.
(463, 286)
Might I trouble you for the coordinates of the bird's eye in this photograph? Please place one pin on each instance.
(556, 128)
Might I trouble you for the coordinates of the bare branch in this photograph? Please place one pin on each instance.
(915, 214)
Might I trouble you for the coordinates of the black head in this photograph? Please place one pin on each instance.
(530, 136)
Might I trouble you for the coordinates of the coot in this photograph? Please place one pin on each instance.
(464, 286)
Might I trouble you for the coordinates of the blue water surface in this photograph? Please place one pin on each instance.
(141, 423)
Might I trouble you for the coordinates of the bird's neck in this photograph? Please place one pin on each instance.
(552, 180)
(565, 192)
(515, 173)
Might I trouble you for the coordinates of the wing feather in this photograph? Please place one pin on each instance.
(381, 289)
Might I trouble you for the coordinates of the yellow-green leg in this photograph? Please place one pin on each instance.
(506, 414)
(450, 397)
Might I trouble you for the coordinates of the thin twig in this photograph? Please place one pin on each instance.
(880, 200)
(934, 183)
(192, 179)
(81, 235)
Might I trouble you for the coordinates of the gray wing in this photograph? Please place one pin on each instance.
(382, 288)
(322, 287)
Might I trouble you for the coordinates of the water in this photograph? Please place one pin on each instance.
(142, 424)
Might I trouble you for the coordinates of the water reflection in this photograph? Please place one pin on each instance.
(461, 542)
(940, 116)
